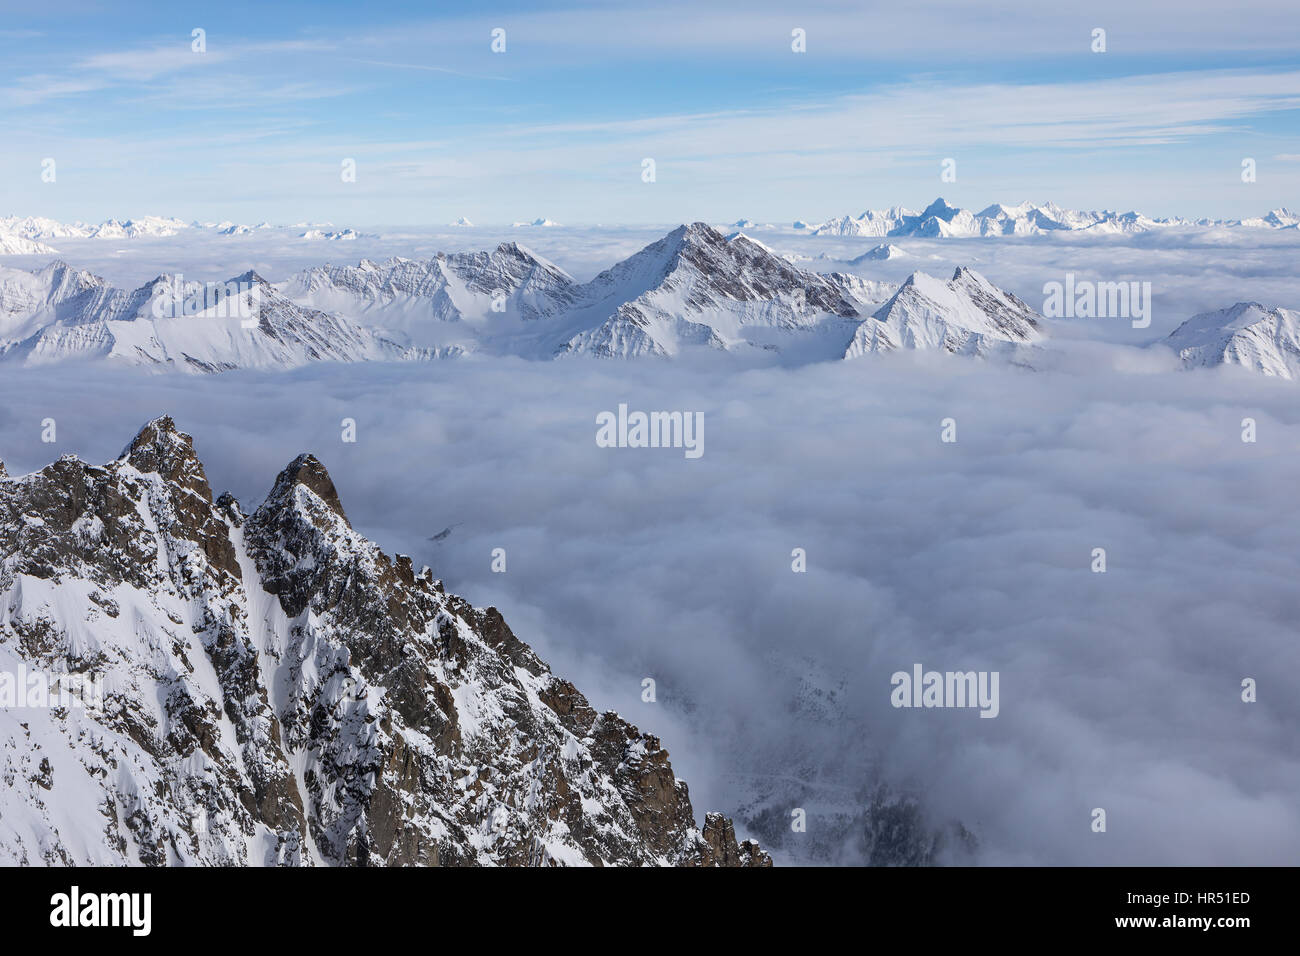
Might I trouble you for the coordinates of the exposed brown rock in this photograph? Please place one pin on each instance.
(424, 731)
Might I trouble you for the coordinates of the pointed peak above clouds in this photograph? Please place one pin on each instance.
(160, 447)
(307, 471)
(1247, 334)
(966, 314)
(940, 210)
(879, 253)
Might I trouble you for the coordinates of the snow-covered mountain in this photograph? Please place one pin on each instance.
(466, 300)
(11, 245)
(240, 229)
(966, 315)
(1247, 334)
(55, 293)
(696, 288)
(273, 689)
(39, 229)
(942, 220)
(156, 226)
(1280, 218)
(693, 289)
(60, 314)
(339, 235)
(879, 253)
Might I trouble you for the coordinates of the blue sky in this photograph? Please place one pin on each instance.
(257, 127)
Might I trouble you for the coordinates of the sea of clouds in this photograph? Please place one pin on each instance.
(1119, 691)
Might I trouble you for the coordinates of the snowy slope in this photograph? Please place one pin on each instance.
(187, 326)
(12, 245)
(464, 300)
(277, 690)
(966, 315)
(40, 228)
(136, 228)
(29, 300)
(695, 288)
(879, 253)
(1247, 334)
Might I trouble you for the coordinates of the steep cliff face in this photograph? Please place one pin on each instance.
(274, 689)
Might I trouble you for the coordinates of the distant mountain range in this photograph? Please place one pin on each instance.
(937, 221)
(941, 220)
(35, 231)
(692, 290)
(21, 246)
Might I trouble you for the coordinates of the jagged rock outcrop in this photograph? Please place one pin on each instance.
(274, 689)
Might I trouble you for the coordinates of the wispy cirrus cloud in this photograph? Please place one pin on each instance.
(720, 102)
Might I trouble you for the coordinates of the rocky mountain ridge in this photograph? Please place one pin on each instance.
(278, 691)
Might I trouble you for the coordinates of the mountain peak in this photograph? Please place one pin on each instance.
(940, 209)
(511, 248)
(251, 277)
(307, 470)
(917, 278)
(517, 250)
(698, 232)
(966, 273)
(1248, 334)
(965, 315)
(162, 448)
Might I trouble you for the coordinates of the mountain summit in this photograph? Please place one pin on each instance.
(695, 287)
(1246, 334)
(966, 315)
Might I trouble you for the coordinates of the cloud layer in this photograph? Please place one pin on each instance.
(1118, 690)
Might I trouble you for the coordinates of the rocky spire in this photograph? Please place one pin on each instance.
(306, 470)
(161, 448)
